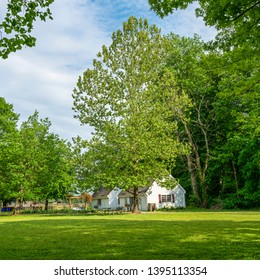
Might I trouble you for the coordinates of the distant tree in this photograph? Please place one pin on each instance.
(56, 179)
(87, 198)
(128, 98)
(9, 152)
(16, 26)
(8, 118)
(47, 171)
(35, 164)
(237, 109)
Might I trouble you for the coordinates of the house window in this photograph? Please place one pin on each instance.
(131, 200)
(166, 198)
(99, 202)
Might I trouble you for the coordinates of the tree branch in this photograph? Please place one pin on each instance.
(244, 12)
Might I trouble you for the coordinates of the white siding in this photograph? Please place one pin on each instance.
(153, 195)
(104, 203)
(143, 205)
(113, 198)
(111, 201)
(123, 201)
(179, 194)
(156, 190)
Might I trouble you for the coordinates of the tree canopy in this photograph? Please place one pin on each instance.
(223, 123)
(35, 164)
(18, 22)
(237, 21)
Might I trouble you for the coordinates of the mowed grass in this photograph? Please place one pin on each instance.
(150, 236)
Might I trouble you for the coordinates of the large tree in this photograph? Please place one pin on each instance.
(18, 22)
(197, 126)
(128, 98)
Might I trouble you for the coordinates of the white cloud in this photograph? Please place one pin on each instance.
(43, 77)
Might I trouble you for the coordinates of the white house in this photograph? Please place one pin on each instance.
(150, 198)
(105, 199)
(154, 197)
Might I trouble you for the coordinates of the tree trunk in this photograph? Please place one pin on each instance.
(235, 175)
(204, 171)
(204, 195)
(201, 171)
(193, 182)
(136, 206)
(46, 204)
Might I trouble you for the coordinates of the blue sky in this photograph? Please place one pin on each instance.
(42, 78)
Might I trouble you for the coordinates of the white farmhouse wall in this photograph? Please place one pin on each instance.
(153, 195)
(143, 205)
(93, 203)
(179, 194)
(150, 198)
(113, 198)
(123, 201)
(156, 190)
(108, 202)
(104, 203)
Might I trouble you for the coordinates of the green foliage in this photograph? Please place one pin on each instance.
(9, 150)
(221, 125)
(35, 164)
(197, 124)
(166, 7)
(237, 21)
(240, 201)
(46, 160)
(237, 110)
(18, 22)
(230, 106)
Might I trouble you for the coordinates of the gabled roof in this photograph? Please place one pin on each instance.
(101, 193)
(130, 192)
(179, 187)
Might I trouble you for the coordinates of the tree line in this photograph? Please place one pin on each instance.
(35, 164)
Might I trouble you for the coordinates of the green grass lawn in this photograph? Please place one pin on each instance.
(161, 236)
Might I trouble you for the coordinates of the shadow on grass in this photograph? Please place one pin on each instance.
(56, 238)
